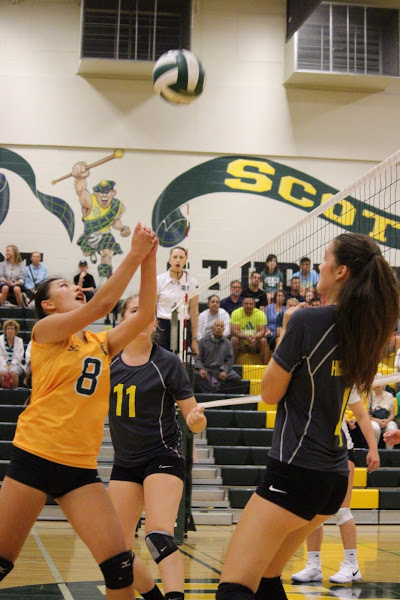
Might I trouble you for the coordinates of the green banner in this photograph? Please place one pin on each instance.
(252, 175)
(15, 163)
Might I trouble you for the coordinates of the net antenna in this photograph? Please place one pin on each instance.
(370, 205)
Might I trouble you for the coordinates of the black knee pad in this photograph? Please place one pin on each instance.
(5, 567)
(160, 544)
(118, 570)
(233, 591)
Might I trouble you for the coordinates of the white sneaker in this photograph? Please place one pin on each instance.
(348, 572)
(311, 572)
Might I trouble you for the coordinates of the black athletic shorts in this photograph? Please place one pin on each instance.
(303, 492)
(351, 455)
(171, 464)
(54, 479)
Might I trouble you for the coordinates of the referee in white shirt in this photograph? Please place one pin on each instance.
(171, 288)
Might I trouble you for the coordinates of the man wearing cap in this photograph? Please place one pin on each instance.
(101, 210)
(85, 280)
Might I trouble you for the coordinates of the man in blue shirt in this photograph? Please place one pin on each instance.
(35, 272)
(234, 301)
(308, 277)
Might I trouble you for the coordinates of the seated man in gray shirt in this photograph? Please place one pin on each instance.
(214, 363)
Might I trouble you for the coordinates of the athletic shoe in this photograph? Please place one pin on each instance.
(311, 572)
(348, 572)
(25, 300)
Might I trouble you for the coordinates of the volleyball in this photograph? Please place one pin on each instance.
(178, 76)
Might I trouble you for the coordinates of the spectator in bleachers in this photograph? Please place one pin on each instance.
(308, 277)
(253, 291)
(308, 295)
(279, 318)
(35, 272)
(85, 280)
(215, 360)
(381, 411)
(11, 354)
(315, 302)
(277, 307)
(209, 316)
(235, 300)
(271, 277)
(12, 276)
(295, 289)
(248, 330)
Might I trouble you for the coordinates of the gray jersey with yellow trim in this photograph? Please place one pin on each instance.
(308, 426)
(142, 413)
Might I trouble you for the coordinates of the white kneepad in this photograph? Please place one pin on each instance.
(342, 516)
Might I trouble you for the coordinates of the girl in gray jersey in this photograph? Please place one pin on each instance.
(323, 353)
(149, 469)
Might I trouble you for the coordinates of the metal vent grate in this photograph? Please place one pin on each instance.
(138, 30)
(349, 39)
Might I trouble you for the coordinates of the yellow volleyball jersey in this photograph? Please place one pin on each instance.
(97, 211)
(70, 395)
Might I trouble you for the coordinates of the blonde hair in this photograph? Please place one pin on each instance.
(12, 323)
(16, 254)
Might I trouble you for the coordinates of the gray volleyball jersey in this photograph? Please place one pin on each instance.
(142, 412)
(308, 427)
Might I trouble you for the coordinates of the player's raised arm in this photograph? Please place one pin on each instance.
(128, 329)
(76, 314)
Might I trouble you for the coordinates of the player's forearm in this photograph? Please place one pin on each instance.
(148, 289)
(111, 291)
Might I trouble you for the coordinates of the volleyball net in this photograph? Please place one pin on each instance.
(370, 205)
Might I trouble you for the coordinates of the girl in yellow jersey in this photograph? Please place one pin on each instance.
(59, 434)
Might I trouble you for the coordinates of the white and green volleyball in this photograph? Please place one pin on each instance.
(178, 76)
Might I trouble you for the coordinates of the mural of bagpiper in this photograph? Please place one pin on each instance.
(101, 210)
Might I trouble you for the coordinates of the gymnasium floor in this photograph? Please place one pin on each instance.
(55, 565)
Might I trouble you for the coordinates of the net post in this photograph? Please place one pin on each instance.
(184, 520)
(174, 331)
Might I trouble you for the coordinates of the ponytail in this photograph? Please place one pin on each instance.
(367, 308)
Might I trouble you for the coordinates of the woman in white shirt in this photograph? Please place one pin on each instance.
(172, 287)
(381, 411)
(11, 354)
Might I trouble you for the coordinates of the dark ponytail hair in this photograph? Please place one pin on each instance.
(367, 307)
(42, 293)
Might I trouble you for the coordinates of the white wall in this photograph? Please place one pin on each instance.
(53, 117)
